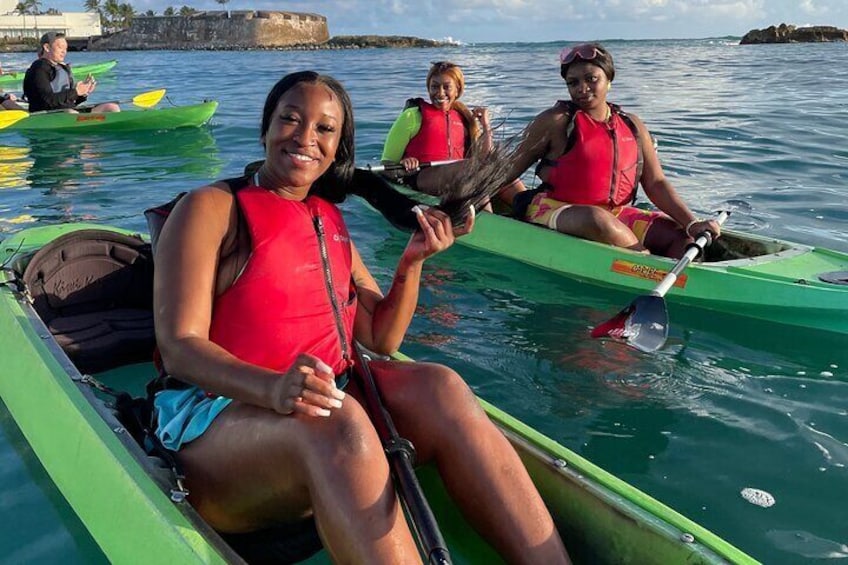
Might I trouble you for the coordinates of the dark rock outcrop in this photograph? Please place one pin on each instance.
(791, 34)
(361, 41)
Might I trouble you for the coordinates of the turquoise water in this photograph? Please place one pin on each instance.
(728, 404)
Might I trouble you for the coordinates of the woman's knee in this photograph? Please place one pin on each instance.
(347, 434)
(597, 224)
(438, 387)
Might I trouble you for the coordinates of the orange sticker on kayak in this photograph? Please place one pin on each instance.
(90, 117)
(644, 272)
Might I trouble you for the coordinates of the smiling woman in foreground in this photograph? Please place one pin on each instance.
(259, 296)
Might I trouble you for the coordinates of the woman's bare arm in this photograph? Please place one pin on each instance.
(382, 321)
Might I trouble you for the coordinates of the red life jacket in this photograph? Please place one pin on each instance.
(283, 304)
(602, 167)
(443, 135)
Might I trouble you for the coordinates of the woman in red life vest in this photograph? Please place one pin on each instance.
(438, 130)
(592, 158)
(259, 293)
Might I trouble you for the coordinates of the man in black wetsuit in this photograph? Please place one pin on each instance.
(49, 83)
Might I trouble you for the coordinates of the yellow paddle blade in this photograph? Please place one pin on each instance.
(148, 99)
(9, 117)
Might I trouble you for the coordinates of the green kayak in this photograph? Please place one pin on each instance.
(94, 461)
(10, 80)
(151, 119)
(742, 274)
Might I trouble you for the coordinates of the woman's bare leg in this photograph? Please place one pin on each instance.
(665, 237)
(597, 224)
(254, 468)
(433, 407)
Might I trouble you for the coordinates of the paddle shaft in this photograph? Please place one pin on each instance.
(399, 167)
(143, 100)
(400, 454)
(694, 249)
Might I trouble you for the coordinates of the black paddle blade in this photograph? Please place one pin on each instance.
(643, 325)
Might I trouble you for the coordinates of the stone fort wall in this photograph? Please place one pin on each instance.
(219, 30)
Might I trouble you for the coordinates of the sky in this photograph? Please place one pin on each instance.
(478, 21)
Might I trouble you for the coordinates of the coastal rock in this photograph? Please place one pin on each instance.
(791, 34)
(360, 41)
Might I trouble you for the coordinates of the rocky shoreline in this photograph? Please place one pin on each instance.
(791, 34)
(337, 42)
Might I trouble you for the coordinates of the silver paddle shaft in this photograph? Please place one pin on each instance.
(398, 166)
(692, 251)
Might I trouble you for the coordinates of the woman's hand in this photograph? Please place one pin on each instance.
(308, 387)
(410, 164)
(436, 233)
(481, 114)
(695, 229)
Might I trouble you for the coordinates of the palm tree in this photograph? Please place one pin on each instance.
(169, 11)
(35, 9)
(21, 10)
(126, 13)
(113, 12)
(187, 11)
(223, 4)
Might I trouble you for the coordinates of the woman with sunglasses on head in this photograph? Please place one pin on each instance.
(592, 157)
(442, 129)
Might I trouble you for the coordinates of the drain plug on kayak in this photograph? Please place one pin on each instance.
(835, 277)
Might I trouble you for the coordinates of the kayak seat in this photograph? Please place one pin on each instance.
(291, 543)
(94, 291)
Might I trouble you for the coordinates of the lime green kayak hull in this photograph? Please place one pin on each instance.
(761, 278)
(94, 463)
(152, 119)
(10, 80)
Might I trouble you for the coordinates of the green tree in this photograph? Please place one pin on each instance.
(169, 11)
(187, 11)
(21, 10)
(34, 9)
(112, 11)
(126, 13)
(149, 13)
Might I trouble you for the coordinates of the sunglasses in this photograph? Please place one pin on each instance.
(586, 51)
(442, 65)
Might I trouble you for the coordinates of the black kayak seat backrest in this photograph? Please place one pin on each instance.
(156, 217)
(94, 291)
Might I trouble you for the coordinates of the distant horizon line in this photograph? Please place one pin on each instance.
(460, 42)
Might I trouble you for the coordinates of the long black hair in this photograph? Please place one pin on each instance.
(472, 184)
(333, 184)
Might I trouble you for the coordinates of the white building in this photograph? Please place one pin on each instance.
(72, 24)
